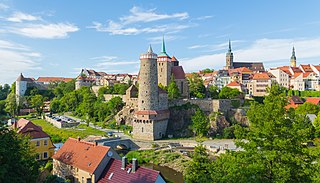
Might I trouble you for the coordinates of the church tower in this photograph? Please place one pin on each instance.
(151, 119)
(293, 60)
(229, 58)
(164, 66)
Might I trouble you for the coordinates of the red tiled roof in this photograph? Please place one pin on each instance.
(306, 68)
(317, 67)
(261, 76)
(313, 100)
(53, 79)
(178, 72)
(80, 154)
(20, 123)
(306, 74)
(234, 83)
(296, 75)
(142, 174)
(173, 59)
(31, 129)
(291, 106)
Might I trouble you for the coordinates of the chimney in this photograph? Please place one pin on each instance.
(124, 163)
(78, 138)
(134, 165)
(95, 143)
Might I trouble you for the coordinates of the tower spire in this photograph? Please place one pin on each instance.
(163, 48)
(150, 49)
(229, 46)
(293, 52)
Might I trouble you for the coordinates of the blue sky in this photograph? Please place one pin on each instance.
(58, 38)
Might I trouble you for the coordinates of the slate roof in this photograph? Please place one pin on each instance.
(178, 72)
(80, 154)
(142, 174)
(296, 100)
(254, 66)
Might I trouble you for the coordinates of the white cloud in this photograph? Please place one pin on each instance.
(158, 39)
(14, 59)
(45, 31)
(3, 6)
(20, 17)
(116, 63)
(204, 17)
(197, 46)
(104, 58)
(140, 15)
(128, 25)
(273, 52)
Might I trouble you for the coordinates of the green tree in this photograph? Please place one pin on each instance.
(4, 91)
(200, 167)
(200, 123)
(196, 87)
(2, 107)
(207, 70)
(213, 91)
(173, 90)
(316, 124)
(11, 104)
(274, 145)
(115, 104)
(37, 102)
(17, 158)
(308, 108)
(229, 93)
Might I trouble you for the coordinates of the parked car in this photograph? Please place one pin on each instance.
(110, 134)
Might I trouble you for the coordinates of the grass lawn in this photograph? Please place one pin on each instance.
(61, 135)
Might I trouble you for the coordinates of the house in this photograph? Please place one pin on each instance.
(39, 139)
(82, 161)
(237, 86)
(294, 102)
(259, 84)
(120, 171)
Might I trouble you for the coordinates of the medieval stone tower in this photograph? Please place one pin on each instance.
(151, 119)
(21, 87)
(164, 66)
(293, 60)
(229, 58)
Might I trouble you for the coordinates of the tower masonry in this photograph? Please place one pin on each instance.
(229, 58)
(151, 119)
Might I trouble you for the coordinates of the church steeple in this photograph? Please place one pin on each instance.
(163, 52)
(229, 58)
(293, 60)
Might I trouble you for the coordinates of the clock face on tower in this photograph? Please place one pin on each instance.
(110, 153)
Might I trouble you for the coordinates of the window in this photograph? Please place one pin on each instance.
(45, 155)
(45, 142)
(38, 143)
(38, 156)
(142, 129)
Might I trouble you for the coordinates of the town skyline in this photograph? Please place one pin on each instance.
(49, 39)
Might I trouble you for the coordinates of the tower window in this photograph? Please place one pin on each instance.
(142, 129)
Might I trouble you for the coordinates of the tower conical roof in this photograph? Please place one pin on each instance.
(163, 49)
(229, 46)
(150, 49)
(293, 56)
(20, 78)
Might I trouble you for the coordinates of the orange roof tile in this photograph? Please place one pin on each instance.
(80, 154)
(234, 83)
(313, 100)
(306, 74)
(53, 79)
(261, 76)
(317, 67)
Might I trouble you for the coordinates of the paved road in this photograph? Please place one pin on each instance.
(222, 143)
(115, 132)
